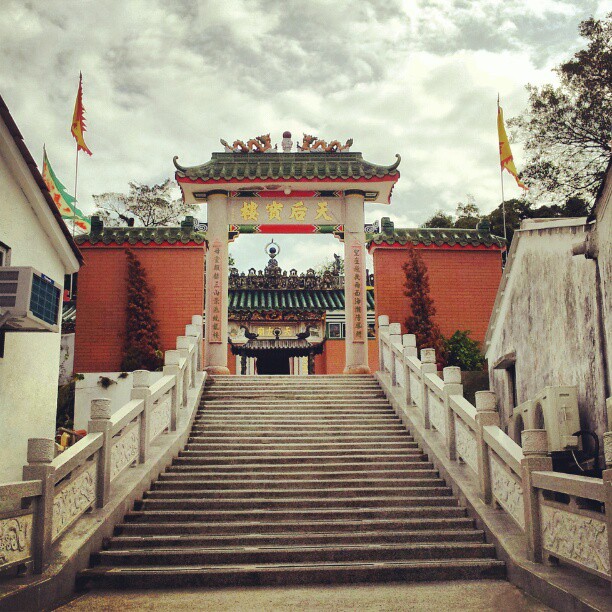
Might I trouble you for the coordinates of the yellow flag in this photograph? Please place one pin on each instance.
(505, 154)
(78, 119)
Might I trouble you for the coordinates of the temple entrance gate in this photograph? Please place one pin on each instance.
(254, 189)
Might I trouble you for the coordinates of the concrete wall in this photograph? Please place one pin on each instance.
(29, 369)
(603, 231)
(176, 275)
(89, 388)
(66, 368)
(463, 283)
(548, 317)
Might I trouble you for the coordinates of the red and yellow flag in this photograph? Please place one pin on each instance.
(78, 119)
(505, 154)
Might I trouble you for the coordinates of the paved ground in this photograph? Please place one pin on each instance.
(497, 596)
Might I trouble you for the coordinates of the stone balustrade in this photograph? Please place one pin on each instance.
(57, 491)
(563, 516)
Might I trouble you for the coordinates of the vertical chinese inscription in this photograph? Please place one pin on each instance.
(217, 294)
(359, 325)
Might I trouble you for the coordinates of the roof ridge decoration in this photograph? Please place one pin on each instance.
(184, 234)
(438, 236)
(287, 166)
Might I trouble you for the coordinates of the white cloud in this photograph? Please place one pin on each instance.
(170, 78)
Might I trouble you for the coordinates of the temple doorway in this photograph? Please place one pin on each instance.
(273, 362)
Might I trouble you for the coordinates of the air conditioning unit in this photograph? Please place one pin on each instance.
(555, 409)
(29, 300)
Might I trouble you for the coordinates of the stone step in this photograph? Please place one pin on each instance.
(320, 392)
(296, 554)
(316, 526)
(341, 472)
(294, 539)
(252, 431)
(294, 574)
(298, 514)
(320, 493)
(232, 437)
(311, 407)
(235, 458)
(180, 482)
(250, 504)
(321, 420)
(290, 446)
(362, 467)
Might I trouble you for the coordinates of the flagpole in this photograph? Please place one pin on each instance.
(76, 177)
(501, 178)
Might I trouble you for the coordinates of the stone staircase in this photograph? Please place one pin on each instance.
(293, 480)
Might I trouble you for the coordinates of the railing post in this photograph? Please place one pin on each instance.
(100, 422)
(182, 345)
(410, 350)
(41, 452)
(607, 481)
(171, 368)
(428, 366)
(198, 321)
(141, 391)
(192, 331)
(452, 386)
(486, 409)
(535, 451)
(395, 338)
(383, 328)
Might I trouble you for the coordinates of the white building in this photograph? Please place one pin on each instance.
(552, 320)
(32, 233)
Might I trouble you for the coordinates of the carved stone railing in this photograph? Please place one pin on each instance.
(563, 516)
(57, 491)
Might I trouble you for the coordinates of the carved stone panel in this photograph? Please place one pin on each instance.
(160, 417)
(125, 451)
(387, 356)
(436, 413)
(507, 489)
(467, 447)
(415, 390)
(577, 538)
(15, 539)
(399, 371)
(73, 498)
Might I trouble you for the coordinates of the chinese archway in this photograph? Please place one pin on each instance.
(252, 188)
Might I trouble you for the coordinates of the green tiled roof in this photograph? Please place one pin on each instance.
(286, 166)
(145, 235)
(437, 236)
(289, 299)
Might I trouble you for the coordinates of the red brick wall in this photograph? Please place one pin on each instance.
(332, 360)
(463, 285)
(176, 274)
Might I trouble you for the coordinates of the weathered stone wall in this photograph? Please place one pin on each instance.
(548, 317)
(604, 245)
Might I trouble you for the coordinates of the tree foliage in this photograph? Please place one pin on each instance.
(142, 345)
(566, 129)
(147, 205)
(468, 215)
(464, 352)
(421, 322)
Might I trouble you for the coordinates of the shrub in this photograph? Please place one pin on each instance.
(464, 352)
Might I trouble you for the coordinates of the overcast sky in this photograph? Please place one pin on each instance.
(172, 77)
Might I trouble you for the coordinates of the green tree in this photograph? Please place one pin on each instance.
(142, 345)
(519, 209)
(566, 129)
(148, 206)
(420, 321)
(468, 214)
(464, 352)
(439, 219)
